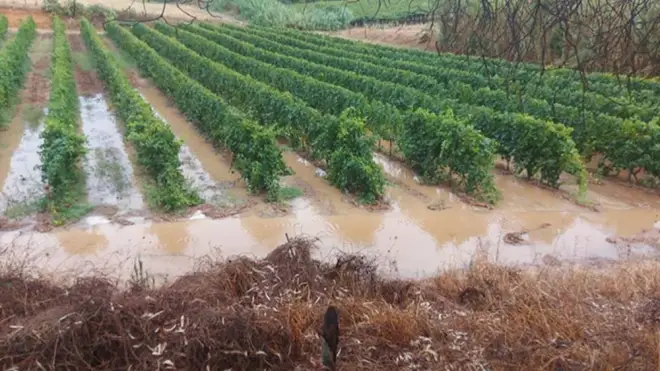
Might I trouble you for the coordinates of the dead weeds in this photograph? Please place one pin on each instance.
(245, 314)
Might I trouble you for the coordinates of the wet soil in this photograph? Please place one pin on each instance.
(17, 10)
(20, 177)
(37, 85)
(110, 179)
(197, 155)
(111, 185)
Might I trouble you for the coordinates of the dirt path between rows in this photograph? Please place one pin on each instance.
(87, 82)
(33, 97)
(37, 85)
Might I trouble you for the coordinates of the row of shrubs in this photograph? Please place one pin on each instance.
(13, 62)
(539, 97)
(535, 146)
(63, 146)
(641, 89)
(600, 124)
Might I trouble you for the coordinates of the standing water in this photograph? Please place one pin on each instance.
(22, 187)
(108, 168)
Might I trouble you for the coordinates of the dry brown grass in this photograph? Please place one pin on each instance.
(245, 314)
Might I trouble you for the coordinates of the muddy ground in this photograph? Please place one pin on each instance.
(405, 36)
(15, 10)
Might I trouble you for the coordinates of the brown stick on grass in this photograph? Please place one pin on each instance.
(330, 338)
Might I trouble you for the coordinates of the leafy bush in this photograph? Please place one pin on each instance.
(156, 147)
(13, 59)
(442, 147)
(350, 161)
(329, 17)
(256, 154)
(77, 9)
(63, 147)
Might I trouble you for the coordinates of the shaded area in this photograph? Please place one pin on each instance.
(247, 314)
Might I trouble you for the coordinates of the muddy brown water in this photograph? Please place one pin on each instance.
(416, 239)
(426, 229)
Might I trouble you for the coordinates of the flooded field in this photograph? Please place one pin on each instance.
(425, 229)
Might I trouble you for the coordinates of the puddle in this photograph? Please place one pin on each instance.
(107, 166)
(405, 178)
(417, 239)
(208, 173)
(21, 183)
(419, 243)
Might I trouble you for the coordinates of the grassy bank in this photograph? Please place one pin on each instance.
(371, 8)
(264, 314)
(275, 13)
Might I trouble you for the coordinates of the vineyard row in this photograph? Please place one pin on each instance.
(13, 59)
(342, 144)
(542, 98)
(63, 146)
(469, 162)
(603, 83)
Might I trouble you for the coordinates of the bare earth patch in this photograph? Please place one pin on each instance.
(409, 36)
(16, 12)
(86, 80)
